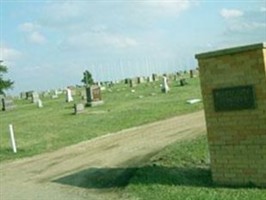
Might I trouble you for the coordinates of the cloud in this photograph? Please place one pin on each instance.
(32, 32)
(36, 37)
(252, 20)
(28, 27)
(263, 9)
(247, 26)
(98, 28)
(65, 10)
(9, 54)
(231, 13)
(119, 41)
(167, 6)
(99, 40)
(250, 28)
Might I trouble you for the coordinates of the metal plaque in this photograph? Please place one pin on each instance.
(234, 98)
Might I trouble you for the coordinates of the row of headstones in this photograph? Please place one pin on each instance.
(53, 94)
(176, 77)
(92, 94)
(93, 98)
(142, 79)
(8, 103)
(138, 80)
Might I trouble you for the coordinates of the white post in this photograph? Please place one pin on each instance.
(12, 138)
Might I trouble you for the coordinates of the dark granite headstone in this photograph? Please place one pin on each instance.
(183, 82)
(132, 83)
(94, 96)
(29, 95)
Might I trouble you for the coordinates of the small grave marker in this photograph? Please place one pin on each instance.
(39, 103)
(79, 108)
(7, 104)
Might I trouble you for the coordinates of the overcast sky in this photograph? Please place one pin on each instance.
(48, 44)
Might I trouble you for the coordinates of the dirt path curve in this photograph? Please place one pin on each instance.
(63, 174)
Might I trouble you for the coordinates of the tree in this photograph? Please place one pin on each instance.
(4, 84)
(87, 78)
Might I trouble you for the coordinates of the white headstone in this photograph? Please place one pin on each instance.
(39, 103)
(69, 97)
(35, 97)
(165, 87)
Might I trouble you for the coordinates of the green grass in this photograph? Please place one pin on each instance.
(181, 171)
(54, 126)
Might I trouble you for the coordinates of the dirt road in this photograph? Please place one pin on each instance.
(81, 171)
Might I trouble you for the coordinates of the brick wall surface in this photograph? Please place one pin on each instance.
(237, 139)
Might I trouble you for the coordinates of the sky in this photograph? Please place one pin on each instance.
(49, 44)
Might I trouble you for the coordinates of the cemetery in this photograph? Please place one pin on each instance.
(117, 104)
(80, 114)
(133, 100)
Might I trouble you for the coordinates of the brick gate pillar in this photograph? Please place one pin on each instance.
(233, 85)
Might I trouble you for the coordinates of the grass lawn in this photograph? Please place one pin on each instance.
(181, 171)
(54, 126)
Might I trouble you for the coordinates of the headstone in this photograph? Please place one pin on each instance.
(29, 95)
(193, 73)
(39, 103)
(132, 83)
(183, 82)
(94, 96)
(56, 92)
(140, 79)
(69, 97)
(35, 97)
(23, 95)
(233, 87)
(103, 88)
(7, 104)
(154, 77)
(79, 108)
(165, 87)
(149, 79)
